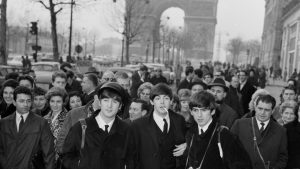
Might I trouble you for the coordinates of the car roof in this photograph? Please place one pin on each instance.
(46, 63)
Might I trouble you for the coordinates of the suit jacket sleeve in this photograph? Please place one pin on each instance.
(283, 154)
(47, 145)
(63, 132)
(235, 155)
(71, 147)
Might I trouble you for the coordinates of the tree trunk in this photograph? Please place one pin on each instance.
(3, 27)
(53, 31)
(127, 50)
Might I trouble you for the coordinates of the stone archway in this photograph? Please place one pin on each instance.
(200, 22)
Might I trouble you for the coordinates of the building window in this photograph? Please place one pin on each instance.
(292, 44)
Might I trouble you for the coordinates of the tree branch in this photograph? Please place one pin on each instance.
(62, 3)
(58, 11)
(42, 2)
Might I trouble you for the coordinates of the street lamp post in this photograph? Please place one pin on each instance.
(71, 23)
(122, 52)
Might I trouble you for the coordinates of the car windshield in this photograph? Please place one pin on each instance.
(43, 68)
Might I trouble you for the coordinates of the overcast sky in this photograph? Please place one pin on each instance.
(243, 18)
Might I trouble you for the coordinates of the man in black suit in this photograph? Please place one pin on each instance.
(187, 81)
(246, 89)
(138, 78)
(159, 138)
(89, 84)
(24, 135)
(72, 83)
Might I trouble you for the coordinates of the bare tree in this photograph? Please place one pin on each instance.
(235, 46)
(3, 28)
(54, 7)
(254, 47)
(131, 23)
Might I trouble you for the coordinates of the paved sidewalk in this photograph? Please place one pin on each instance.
(279, 83)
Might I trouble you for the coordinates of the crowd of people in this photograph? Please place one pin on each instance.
(212, 118)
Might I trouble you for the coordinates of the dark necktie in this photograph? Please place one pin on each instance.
(21, 124)
(106, 129)
(202, 132)
(165, 131)
(261, 130)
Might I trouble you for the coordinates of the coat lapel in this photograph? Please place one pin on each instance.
(13, 124)
(151, 130)
(256, 130)
(269, 131)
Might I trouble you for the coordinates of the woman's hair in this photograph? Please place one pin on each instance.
(56, 91)
(184, 94)
(256, 94)
(288, 104)
(143, 86)
(74, 93)
(8, 83)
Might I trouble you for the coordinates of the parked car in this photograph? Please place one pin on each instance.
(4, 70)
(44, 71)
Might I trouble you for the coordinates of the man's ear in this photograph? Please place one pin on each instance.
(213, 112)
(144, 112)
(14, 102)
(151, 102)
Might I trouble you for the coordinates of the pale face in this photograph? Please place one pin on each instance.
(125, 83)
(145, 95)
(25, 83)
(8, 95)
(161, 104)
(109, 107)
(263, 111)
(86, 85)
(234, 82)
(75, 102)
(202, 115)
(218, 93)
(207, 79)
(56, 103)
(59, 82)
(23, 103)
(289, 95)
(196, 89)
(242, 77)
(288, 115)
(135, 111)
(39, 102)
(184, 105)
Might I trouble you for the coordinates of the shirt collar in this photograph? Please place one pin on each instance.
(205, 127)
(25, 115)
(160, 120)
(91, 92)
(259, 125)
(102, 123)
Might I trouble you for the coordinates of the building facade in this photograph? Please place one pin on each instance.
(272, 34)
(291, 37)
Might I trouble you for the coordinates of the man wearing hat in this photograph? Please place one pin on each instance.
(219, 90)
(105, 138)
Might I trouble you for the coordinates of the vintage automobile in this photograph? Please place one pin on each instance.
(4, 70)
(44, 71)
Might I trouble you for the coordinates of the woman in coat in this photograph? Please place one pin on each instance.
(293, 135)
(56, 116)
(6, 105)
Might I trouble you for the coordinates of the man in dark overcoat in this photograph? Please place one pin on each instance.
(138, 78)
(159, 138)
(246, 89)
(264, 139)
(212, 146)
(24, 136)
(105, 140)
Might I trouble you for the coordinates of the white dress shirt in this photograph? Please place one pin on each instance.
(101, 123)
(242, 84)
(160, 121)
(205, 127)
(18, 118)
(259, 125)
